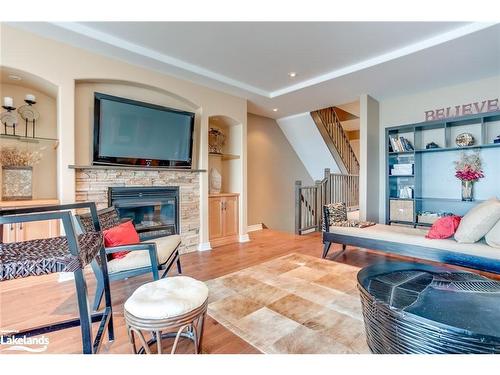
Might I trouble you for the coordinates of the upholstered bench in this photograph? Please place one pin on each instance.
(173, 307)
(411, 242)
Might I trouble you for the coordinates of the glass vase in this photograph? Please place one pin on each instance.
(467, 191)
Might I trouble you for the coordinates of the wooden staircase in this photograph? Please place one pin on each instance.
(328, 120)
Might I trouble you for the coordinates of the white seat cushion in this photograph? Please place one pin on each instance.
(165, 246)
(478, 221)
(166, 298)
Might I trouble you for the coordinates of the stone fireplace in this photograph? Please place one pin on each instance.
(93, 184)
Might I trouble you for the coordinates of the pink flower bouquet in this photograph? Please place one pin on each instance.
(468, 168)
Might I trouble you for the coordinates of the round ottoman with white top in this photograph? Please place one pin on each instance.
(172, 307)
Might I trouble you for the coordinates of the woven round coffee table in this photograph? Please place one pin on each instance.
(417, 308)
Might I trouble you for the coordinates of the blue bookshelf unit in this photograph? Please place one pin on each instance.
(420, 179)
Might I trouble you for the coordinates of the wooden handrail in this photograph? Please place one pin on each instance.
(331, 123)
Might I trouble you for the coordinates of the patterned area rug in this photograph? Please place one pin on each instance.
(292, 305)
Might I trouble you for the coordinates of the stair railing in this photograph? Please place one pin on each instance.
(309, 200)
(338, 136)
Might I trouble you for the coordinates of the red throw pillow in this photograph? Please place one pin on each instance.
(123, 234)
(444, 227)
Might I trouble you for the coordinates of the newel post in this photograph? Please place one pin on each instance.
(298, 185)
(319, 198)
(328, 197)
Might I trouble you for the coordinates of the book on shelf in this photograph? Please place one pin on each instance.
(400, 144)
(406, 192)
(402, 169)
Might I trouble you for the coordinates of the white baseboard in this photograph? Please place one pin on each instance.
(309, 231)
(204, 246)
(244, 238)
(254, 227)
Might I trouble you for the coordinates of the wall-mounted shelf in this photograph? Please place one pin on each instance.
(135, 168)
(29, 141)
(224, 156)
(433, 172)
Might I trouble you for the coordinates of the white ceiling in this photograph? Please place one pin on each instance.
(335, 61)
(261, 54)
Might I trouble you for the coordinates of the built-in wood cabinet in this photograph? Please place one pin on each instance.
(32, 230)
(223, 218)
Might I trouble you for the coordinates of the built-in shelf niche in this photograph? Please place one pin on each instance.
(45, 141)
(228, 162)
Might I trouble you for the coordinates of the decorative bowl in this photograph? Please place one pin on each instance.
(464, 140)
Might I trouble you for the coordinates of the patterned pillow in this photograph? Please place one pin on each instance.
(353, 224)
(336, 212)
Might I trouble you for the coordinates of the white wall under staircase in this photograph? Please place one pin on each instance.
(305, 138)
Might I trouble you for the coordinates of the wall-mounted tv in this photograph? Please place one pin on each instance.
(129, 132)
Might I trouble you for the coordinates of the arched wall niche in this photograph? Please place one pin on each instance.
(84, 110)
(16, 83)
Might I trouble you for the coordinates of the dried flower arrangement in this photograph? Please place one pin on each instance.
(14, 157)
(469, 167)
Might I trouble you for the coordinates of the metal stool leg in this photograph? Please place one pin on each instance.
(201, 322)
(158, 341)
(131, 338)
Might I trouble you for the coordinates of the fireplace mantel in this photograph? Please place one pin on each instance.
(135, 168)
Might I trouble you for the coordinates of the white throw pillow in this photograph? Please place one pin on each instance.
(493, 236)
(478, 221)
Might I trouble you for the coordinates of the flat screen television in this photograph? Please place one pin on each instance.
(129, 132)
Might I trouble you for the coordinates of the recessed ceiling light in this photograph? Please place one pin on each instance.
(275, 109)
(14, 77)
(292, 74)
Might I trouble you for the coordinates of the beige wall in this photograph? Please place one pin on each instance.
(45, 172)
(64, 66)
(273, 168)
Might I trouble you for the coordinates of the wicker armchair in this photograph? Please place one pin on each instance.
(144, 257)
(70, 253)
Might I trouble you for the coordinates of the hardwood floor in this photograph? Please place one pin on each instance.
(40, 300)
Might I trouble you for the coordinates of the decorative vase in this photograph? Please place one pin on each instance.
(467, 190)
(215, 181)
(17, 183)
(216, 140)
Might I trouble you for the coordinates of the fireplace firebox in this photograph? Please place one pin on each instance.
(153, 210)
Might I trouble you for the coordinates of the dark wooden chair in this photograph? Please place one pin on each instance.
(152, 256)
(69, 253)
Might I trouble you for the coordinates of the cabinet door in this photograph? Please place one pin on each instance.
(37, 229)
(215, 217)
(230, 216)
(9, 233)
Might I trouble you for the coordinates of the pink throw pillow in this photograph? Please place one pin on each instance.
(123, 234)
(444, 227)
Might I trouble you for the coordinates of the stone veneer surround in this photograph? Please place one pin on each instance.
(92, 185)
